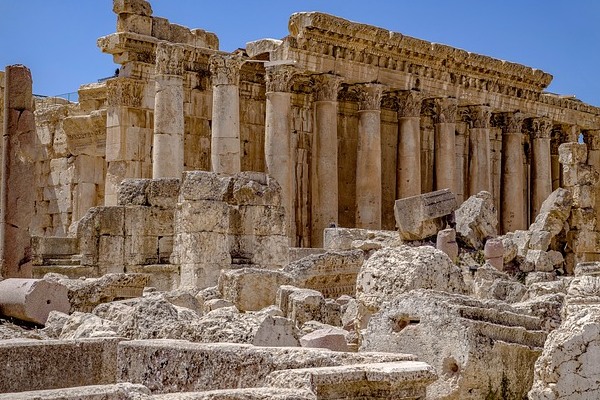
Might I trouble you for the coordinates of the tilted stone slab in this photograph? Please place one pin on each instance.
(398, 380)
(419, 217)
(117, 391)
(55, 364)
(159, 364)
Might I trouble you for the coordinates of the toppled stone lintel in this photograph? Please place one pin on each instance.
(422, 216)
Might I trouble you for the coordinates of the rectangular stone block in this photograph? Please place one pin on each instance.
(572, 153)
(110, 220)
(584, 241)
(111, 254)
(203, 216)
(148, 221)
(57, 363)
(263, 251)
(201, 275)
(141, 250)
(202, 247)
(419, 217)
(139, 24)
(163, 193)
(583, 219)
(202, 185)
(584, 196)
(257, 220)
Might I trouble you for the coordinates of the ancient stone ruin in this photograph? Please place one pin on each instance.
(345, 213)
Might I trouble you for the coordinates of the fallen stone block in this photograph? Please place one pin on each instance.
(446, 242)
(252, 289)
(117, 391)
(361, 239)
(422, 216)
(477, 220)
(303, 305)
(326, 338)
(32, 300)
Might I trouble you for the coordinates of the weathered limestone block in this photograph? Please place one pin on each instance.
(261, 393)
(303, 305)
(78, 363)
(363, 239)
(479, 349)
(422, 216)
(494, 253)
(326, 338)
(547, 307)
(572, 153)
(554, 212)
(579, 174)
(85, 294)
(117, 391)
(446, 242)
(32, 299)
(332, 273)
(255, 189)
(252, 289)
(236, 365)
(393, 271)
(132, 192)
(477, 220)
(262, 251)
(139, 7)
(583, 294)
(587, 268)
(403, 380)
(568, 366)
(83, 326)
(537, 260)
(203, 185)
(215, 304)
(490, 283)
(509, 246)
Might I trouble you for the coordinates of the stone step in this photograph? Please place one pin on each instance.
(105, 392)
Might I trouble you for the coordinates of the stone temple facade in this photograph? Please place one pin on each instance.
(421, 219)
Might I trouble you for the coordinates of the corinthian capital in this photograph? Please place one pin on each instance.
(478, 116)
(279, 78)
(225, 69)
(369, 96)
(169, 59)
(409, 103)
(326, 87)
(540, 128)
(445, 110)
(510, 122)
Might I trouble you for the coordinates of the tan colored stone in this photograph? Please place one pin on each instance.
(419, 217)
(32, 300)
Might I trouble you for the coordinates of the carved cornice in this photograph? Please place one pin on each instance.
(326, 87)
(225, 69)
(476, 116)
(124, 92)
(280, 78)
(369, 96)
(409, 103)
(445, 110)
(169, 59)
(540, 128)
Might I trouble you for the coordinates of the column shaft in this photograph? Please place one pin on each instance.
(512, 185)
(408, 173)
(479, 143)
(324, 158)
(541, 165)
(368, 161)
(167, 149)
(445, 145)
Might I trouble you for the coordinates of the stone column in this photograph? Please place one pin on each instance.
(368, 160)
(17, 189)
(408, 176)
(167, 149)
(512, 185)
(479, 143)
(541, 169)
(279, 158)
(324, 157)
(445, 145)
(225, 152)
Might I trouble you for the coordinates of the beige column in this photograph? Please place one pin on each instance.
(324, 157)
(541, 168)
(225, 149)
(479, 142)
(512, 185)
(408, 175)
(445, 145)
(279, 158)
(18, 184)
(368, 160)
(167, 148)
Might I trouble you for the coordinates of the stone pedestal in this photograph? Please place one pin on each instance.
(512, 203)
(17, 187)
(368, 160)
(408, 181)
(541, 169)
(324, 158)
(225, 143)
(278, 130)
(167, 150)
(479, 143)
(445, 145)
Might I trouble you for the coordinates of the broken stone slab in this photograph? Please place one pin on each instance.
(419, 217)
(393, 271)
(235, 365)
(490, 283)
(477, 220)
(401, 380)
(567, 368)
(361, 239)
(477, 347)
(332, 273)
(252, 289)
(261, 393)
(303, 305)
(327, 338)
(554, 212)
(32, 300)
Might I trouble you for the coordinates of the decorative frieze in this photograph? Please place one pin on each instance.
(369, 96)
(326, 87)
(445, 110)
(225, 69)
(124, 92)
(169, 59)
(280, 78)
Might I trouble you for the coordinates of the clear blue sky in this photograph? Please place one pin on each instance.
(57, 38)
